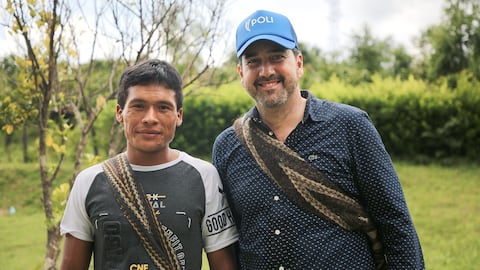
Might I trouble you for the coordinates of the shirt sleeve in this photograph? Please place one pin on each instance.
(75, 219)
(218, 225)
(382, 193)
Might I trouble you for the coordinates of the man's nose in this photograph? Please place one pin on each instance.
(266, 69)
(150, 115)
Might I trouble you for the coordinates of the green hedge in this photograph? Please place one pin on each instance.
(206, 113)
(416, 120)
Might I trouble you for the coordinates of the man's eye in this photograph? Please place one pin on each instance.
(252, 62)
(277, 58)
(163, 108)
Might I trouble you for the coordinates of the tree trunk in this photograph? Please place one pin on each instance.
(116, 135)
(53, 247)
(94, 140)
(8, 142)
(78, 157)
(53, 231)
(26, 159)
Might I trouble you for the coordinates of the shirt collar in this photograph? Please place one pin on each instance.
(312, 109)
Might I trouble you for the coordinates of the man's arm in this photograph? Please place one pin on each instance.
(382, 193)
(222, 259)
(76, 253)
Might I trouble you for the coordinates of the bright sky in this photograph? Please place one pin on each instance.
(328, 24)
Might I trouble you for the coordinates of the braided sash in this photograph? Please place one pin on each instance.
(306, 186)
(140, 214)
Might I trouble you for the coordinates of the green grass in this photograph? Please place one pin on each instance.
(22, 241)
(444, 203)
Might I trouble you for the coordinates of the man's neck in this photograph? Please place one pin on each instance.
(154, 158)
(284, 119)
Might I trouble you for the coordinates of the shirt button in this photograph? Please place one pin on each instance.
(276, 198)
(277, 232)
(281, 268)
(270, 133)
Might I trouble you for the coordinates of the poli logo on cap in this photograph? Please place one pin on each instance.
(265, 25)
(261, 19)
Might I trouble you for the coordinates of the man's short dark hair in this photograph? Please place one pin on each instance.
(150, 72)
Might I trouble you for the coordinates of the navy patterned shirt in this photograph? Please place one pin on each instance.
(341, 141)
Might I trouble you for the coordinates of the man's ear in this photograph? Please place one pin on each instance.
(300, 64)
(240, 73)
(119, 114)
(179, 117)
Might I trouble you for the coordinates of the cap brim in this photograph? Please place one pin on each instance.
(288, 44)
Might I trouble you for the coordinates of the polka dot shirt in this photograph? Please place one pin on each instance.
(340, 141)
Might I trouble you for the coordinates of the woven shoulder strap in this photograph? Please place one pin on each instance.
(306, 186)
(136, 208)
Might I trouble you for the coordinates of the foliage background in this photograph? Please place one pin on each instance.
(417, 121)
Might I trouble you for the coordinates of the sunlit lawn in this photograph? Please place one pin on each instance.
(445, 205)
(22, 241)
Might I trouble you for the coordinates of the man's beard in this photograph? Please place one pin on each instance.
(274, 98)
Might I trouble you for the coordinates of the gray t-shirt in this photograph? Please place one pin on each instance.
(187, 197)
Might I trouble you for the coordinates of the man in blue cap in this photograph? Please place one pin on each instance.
(310, 182)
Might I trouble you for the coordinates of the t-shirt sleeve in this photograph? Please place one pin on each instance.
(218, 225)
(75, 219)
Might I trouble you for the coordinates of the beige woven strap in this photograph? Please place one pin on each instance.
(139, 212)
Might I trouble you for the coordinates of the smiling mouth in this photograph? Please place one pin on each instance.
(149, 133)
(268, 82)
(268, 85)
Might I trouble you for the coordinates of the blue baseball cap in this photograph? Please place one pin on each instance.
(266, 25)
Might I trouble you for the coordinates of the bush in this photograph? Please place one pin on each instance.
(417, 120)
(208, 112)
